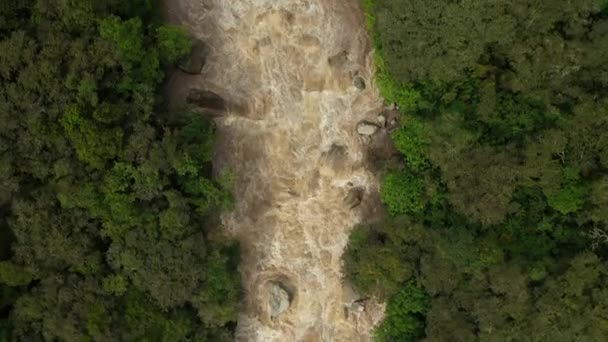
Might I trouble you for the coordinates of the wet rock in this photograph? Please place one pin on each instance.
(359, 83)
(195, 61)
(366, 139)
(338, 60)
(381, 119)
(391, 118)
(279, 299)
(354, 198)
(367, 128)
(357, 307)
(206, 100)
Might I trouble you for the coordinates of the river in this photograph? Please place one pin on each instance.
(297, 76)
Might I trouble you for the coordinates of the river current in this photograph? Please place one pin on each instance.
(297, 76)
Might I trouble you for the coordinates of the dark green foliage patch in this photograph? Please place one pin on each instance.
(106, 201)
(497, 227)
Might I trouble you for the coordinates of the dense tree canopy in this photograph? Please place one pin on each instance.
(106, 201)
(498, 212)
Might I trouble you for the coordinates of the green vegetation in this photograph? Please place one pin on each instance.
(403, 313)
(106, 201)
(401, 192)
(497, 227)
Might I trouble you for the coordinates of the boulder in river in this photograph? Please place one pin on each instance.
(391, 118)
(195, 61)
(279, 299)
(367, 128)
(359, 83)
(338, 59)
(207, 100)
(354, 198)
(381, 120)
(357, 307)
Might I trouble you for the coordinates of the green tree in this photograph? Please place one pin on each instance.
(173, 43)
(374, 264)
(404, 314)
(481, 183)
(504, 146)
(571, 195)
(409, 140)
(402, 192)
(13, 275)
(107, 201)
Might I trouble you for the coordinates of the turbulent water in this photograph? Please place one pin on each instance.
(288, 70)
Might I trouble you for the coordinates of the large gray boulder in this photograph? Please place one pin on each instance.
(367, 128)
(278, 299)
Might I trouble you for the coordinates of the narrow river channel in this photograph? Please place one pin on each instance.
(297, 79)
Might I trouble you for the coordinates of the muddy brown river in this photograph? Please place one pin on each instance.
(297, 78)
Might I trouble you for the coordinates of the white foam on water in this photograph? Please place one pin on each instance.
(271, 59)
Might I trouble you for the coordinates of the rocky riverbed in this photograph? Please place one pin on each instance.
(290, 86)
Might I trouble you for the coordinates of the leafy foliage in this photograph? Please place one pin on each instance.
(404, 312)
(409, 141)
(497, 216)
(107, 201)
(172, 43)
(374, 264)
(401, 192)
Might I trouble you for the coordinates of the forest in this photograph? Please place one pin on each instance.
(497, 206)
(496, 223)
(107, 204)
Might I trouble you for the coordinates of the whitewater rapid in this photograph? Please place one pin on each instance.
(297, 76)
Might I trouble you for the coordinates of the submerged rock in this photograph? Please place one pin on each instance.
(367, 128)
(354, 198)
(359, 83)
(336, 157)
(195, 61)
(338, 60)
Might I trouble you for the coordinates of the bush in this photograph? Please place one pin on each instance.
(571, 196)
(173, 43)
(503, 138)
(402, 193)
(404, 315)
(110, 199)
(374, 263)
(409, 140)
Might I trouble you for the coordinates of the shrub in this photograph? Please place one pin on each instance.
(402, 193)
(404, 315)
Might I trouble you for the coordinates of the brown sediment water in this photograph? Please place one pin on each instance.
(297, 77)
